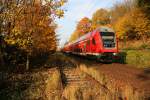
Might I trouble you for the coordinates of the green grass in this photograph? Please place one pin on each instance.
(138, 58)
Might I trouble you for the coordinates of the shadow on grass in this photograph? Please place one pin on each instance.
(145, 75)
(147, 70)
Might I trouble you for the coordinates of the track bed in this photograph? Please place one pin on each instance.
(118, 78)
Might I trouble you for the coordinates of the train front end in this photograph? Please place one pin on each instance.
(109, 44)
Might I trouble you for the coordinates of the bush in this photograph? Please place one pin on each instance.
(138, 58)
(144, 46)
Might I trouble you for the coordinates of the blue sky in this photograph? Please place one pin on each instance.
(75, 10)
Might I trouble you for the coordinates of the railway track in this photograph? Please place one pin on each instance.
(73, 76)
(119, 76)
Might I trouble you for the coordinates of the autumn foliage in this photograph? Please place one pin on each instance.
(130, 20)
(83, 27)
(29, 25)
(134, 24)
(100, 18)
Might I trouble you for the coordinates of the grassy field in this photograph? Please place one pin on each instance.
(137, 53)
(138, 58)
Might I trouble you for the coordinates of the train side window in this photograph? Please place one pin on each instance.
(93, 41)
(88, 42)
(84, 46)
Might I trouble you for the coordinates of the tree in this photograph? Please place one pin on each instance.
(141, 23)
(144, 5)
(28, 24)
(74, 36)
(1, 34)
(124, 27)
(1, 53)
(134, 25)
(83, 27)
(120, 10)
(100, 17)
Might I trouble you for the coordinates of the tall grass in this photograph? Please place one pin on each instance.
(35, 85)
(53, 86)
(114, 91)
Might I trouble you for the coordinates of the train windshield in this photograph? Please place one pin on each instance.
(108, 39)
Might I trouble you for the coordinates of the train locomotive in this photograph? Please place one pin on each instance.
(101, 43)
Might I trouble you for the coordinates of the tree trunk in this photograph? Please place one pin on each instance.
(27, 62)
(143, 39)
(1, 60)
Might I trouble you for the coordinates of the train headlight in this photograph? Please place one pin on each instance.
(114, 54)
(105, 45)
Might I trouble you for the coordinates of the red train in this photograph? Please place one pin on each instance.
(101, 43)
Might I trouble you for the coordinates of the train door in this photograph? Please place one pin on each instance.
(84, 47)
(88, 49)
(93, 45)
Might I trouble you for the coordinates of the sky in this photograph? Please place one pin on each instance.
(75, 10)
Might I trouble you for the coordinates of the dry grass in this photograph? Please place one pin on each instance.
(53, 86)
(47, 84)
(90, 90)
(35, 85)
(115, 90)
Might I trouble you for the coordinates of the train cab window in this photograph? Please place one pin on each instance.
(108, 39)
(93, 41)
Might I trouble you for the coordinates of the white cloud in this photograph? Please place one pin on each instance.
(80, 10)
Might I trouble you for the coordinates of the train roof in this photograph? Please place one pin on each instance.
(88, 35)
(84, 37)
(105, 29)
